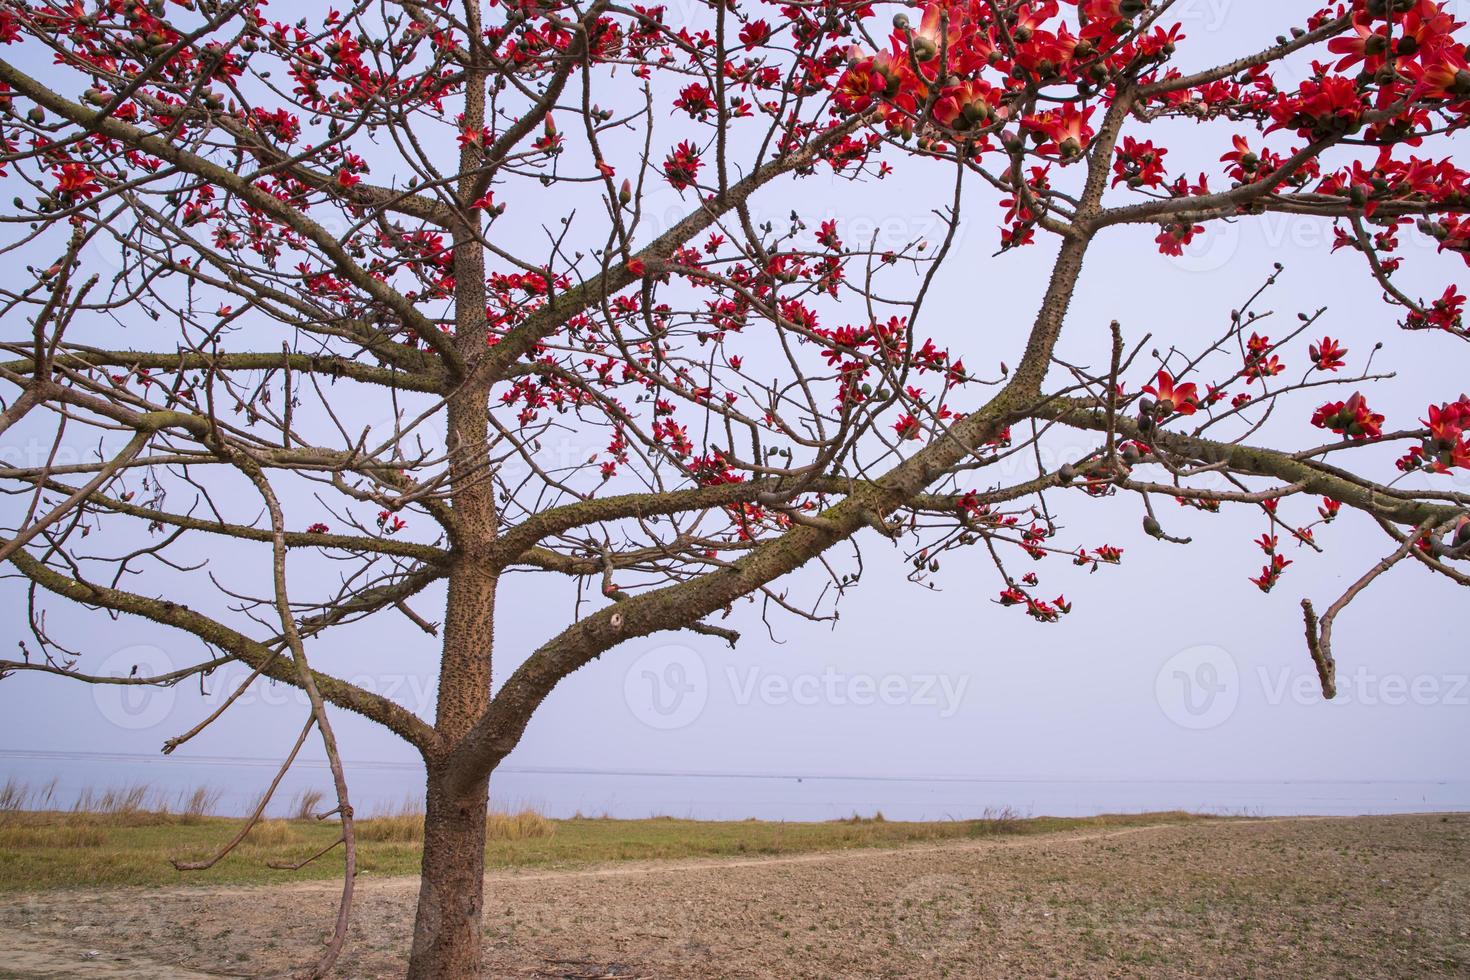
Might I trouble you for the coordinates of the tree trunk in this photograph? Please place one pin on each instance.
(449, 924)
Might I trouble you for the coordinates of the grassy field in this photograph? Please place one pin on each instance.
(50, 850)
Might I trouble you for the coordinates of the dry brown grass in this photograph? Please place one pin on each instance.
(16, 796)
(396, 828)
(127, 805)
(124, 802)
(524, 825)
(67, 835)
(272, 833)
(405, 825)
(306, 803)
(198, 804)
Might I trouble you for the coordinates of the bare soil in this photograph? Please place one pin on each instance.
(1360, 897)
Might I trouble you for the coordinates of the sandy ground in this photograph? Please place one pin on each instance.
(1363, 897)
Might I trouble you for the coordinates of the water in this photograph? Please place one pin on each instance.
(558, 792)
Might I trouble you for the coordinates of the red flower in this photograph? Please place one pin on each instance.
(1266, 367)
(1012, 596)
(1175, 235)
(486, 203)
(1271, 574)
(827, 235)
(1139, 164)
(1248, 165)
(681, 167)
(1181, 398)
(638, 268)
(754, 34)
(77, 180)
(1447, 421)
(1448, 446)
(867, 78)
(1352, 418)
(1066, 130)
(968, 104)
(1369, 45)
(696, 100)
(1328, 356)
(1329, 509)
(1258, 363)
(1445, 313)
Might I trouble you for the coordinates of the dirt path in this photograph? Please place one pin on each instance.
(39, 958)
(1379, 896)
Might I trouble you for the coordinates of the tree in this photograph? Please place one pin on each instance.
(318, 293)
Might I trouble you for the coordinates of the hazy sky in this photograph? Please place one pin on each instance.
(1171, 667)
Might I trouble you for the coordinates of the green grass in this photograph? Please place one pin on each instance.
(51, 850)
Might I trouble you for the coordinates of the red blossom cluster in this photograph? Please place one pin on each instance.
(1271, 573)
(1447, 443)
(1173, 398)
(1260, 361)
(1037, 609)
(1352, 418)
(1020, 91)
